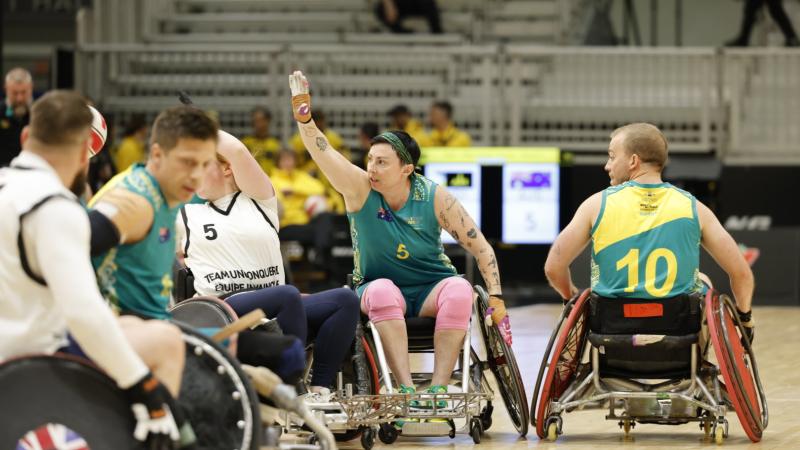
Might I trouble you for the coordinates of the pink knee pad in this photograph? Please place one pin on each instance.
(453, 304)
(384, 301)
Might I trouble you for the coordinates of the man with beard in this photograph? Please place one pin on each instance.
(50, 298)
(18, 88)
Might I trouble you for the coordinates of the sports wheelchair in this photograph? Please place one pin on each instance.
(649, 357)
(469, 398)
(66, 397)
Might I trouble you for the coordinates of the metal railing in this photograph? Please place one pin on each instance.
(741, 103)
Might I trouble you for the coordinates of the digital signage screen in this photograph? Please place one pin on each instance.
(463, 180)
(530, 203)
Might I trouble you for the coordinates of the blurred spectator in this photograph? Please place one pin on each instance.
(778, 14)
(443, 132)
(393, 12)
(18, 88)
(305, 217)
(132, 149)
(262, 145)
(401, 119)
(365, 134)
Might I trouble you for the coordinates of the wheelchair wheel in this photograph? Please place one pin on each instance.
(563, 353)
(504, 367)
(204, 312)
(737, 365)
(66, 391)
(217, 396)
(358, 371)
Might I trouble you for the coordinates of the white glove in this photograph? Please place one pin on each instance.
(148, 425)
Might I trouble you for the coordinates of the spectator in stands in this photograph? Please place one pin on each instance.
(401, 119)
(365, 134)
(335, 200)
(443, 132)
(393, 12)
(262, 145)
(778, 14)
(18, 88)
(132, 148)
(305, 217)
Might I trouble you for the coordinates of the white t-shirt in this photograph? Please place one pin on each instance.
(47, 283)
(231, 244)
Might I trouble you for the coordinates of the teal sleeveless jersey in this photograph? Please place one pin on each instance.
(138, 277)
(404, 246)
(646, 242)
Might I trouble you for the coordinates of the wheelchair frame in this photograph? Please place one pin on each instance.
(581, 384)
(473, 404)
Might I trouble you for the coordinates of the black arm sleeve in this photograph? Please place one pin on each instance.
(105, 235)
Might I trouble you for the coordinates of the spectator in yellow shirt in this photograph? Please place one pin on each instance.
(444, 133)
(132, 148)
(305, 209)
(400, 118)
(262, 145)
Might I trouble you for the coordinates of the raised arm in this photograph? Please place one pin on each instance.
(568, 245)
(349, 180)
(247, 173)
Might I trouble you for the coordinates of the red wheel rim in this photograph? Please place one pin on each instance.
(565, 357)
(731, 359)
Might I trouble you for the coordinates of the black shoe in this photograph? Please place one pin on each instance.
(737, 42)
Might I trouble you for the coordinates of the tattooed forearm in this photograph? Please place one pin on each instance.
(449, 201)
(445, 222)
(322, 144)
(493, 262)
(454, 233)
(496, 278)
(472, 234)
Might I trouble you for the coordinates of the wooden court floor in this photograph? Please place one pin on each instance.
(777, 347)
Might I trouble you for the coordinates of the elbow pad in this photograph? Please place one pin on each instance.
(105, 234)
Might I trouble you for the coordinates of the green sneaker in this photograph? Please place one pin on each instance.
(435, 389)
(398, 424)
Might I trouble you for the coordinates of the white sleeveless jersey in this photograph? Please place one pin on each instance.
(232, 244)
(30, 320)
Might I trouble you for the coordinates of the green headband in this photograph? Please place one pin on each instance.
(398, 146)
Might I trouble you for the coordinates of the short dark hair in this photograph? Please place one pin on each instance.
(261, 110)
(136, 123)
(370, 129)
(180, 122)
(398, 110)
(445, 106)
(60, 117)
(409, 142)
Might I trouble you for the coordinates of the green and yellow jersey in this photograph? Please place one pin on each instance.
(646, 242)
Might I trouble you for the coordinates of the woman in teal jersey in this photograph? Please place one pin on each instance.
(396, 217)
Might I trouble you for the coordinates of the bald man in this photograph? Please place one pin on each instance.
(18, 88)
(646, 234)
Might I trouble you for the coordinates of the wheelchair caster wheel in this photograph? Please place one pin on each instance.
(475, 430)
(367, 439)
(706, 427)
(387, 433)
(486, 416)
(719, 435)
(452, 432)
(552, 432)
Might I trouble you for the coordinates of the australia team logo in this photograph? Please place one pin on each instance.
(385, 215)
(163, 234)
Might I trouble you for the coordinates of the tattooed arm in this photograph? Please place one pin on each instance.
(454, 218)
(569, 244)
(348, 179)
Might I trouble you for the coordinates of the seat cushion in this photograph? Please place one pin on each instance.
(644, 355)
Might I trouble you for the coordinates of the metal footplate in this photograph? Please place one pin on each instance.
(377, 409)
(427, 428)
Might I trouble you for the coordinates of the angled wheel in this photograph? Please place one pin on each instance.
(204, 312)
(67, 392)
(561, 360)
(504, 367)
(737, 365)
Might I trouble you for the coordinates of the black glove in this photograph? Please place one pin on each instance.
(155, 424)
(748, 326)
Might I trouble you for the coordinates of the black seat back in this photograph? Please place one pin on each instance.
(183, 282)
(645, 338)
